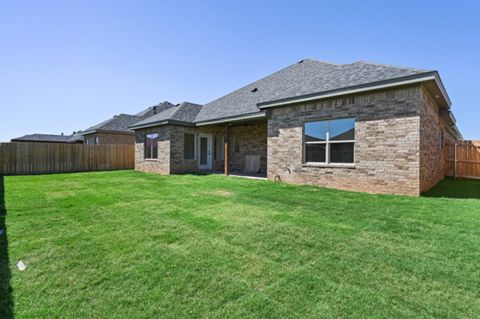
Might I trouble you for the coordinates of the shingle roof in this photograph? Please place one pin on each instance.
(347, 75)
(183, 113)
(52, 138)
(118, 123)
(155, 109)
(245, 99)
(305, 78)
(76, 138)
(302, 78)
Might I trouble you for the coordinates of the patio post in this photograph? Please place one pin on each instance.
(226, 137)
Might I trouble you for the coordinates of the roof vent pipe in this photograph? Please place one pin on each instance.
(254, 90)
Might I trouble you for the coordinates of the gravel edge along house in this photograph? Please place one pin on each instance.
(359, 126)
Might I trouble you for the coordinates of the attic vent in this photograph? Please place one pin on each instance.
(301, 61)
(254, 90)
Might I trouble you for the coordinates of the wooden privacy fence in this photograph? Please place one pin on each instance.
(462, 159)
(42, 158)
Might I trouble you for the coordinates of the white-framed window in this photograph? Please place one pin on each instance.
(329, 141)
(151, 146)
(189, 146)
(218, 147)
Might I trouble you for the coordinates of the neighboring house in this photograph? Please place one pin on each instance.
(116, 129)
(49, 138)
(359, 126)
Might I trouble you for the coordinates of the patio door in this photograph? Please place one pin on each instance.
(205, 154)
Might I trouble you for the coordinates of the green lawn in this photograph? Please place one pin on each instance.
(134, 245)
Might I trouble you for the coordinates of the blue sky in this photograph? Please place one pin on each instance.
(66, 65)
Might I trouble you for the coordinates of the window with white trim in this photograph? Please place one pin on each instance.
(329, 141)
(151, 146)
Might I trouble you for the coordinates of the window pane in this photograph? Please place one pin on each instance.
(315, 153)
(343, 129)
(203, 150)
(151, 146)
(341, 152)
(316, 131)
(189, 146)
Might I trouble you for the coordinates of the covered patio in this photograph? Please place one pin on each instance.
(237, 148)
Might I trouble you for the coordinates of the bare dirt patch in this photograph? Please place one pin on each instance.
(59, 194)
(220, 192)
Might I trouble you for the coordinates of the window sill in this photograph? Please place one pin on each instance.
(325, 165)
(151, 159)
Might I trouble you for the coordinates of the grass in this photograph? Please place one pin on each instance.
(134, 245)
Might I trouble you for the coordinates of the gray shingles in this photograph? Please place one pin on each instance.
(185, 112)
(302, 78)
(244, 101)
(122, 122)
(52, 138)
(155, 109)
(118, 123)
(347, 75)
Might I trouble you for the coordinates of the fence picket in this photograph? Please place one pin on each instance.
(41, 158)
(462, 159)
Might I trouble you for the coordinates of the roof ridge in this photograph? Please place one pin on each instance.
(390, 66)
(321, 61)
(186, 102)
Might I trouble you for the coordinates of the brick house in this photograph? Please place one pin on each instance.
(116, 130)
(359, 126)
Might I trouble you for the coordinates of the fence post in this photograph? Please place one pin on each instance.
(455, 160)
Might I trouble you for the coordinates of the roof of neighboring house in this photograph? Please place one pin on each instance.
(184, 113)
(122, 122)
(77, 137)
(118, 123)
(155, 109)
(51, 138)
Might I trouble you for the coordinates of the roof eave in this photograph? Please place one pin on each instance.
(106, 131)
(161, 123)
(250, 116)
(428, 76)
